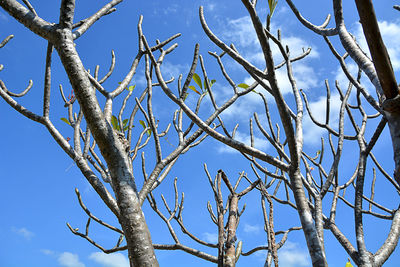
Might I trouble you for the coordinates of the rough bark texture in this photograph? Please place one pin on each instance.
(291, 159)
(229, 257)
(141, 252)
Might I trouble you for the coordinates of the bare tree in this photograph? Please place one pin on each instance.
(112, 135)
(105, 146)
(290, 159)
(119, 144)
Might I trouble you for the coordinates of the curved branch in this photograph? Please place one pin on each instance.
(15, 105)
(24, 92)
(110, 71)
(87, 211)
(227, 49)
(321, 30)
(6, 40)
(95, 17)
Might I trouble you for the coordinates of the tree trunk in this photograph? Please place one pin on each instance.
(230, 252)
(140, 248)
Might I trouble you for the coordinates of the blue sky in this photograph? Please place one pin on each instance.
(38, 179)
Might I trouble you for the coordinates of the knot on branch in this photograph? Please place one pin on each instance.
(392, 105)
(125, 143)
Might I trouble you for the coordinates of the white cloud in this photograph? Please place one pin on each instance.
(110, 260)
(139, 79)
(173, 70)
(342, 78)
(251, 229)
(47, 251)
(210, 237)
(261, 255)
(303, 74)
(171, 9)
(69, 260)
(290, 255)
(23, 232)
(312, 133)
(66, 259)
(244, 107)
(296, 46)
(241, 32)
(211, 6)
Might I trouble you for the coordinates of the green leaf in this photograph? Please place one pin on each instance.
(66, 121)
(272, 5)
(124, 122)
(348, 264)
(130, 88)
(275, 4)
(210, 83)
(114, 123)
(194, 89)
(197, 80)
(143, 124)
(243, 85)
(144, 127)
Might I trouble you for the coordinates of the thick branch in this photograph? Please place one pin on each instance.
(377, 48)
(26, 17)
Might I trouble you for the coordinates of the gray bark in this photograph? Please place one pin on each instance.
(138, 238)
(128, 202)
(141, 252)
